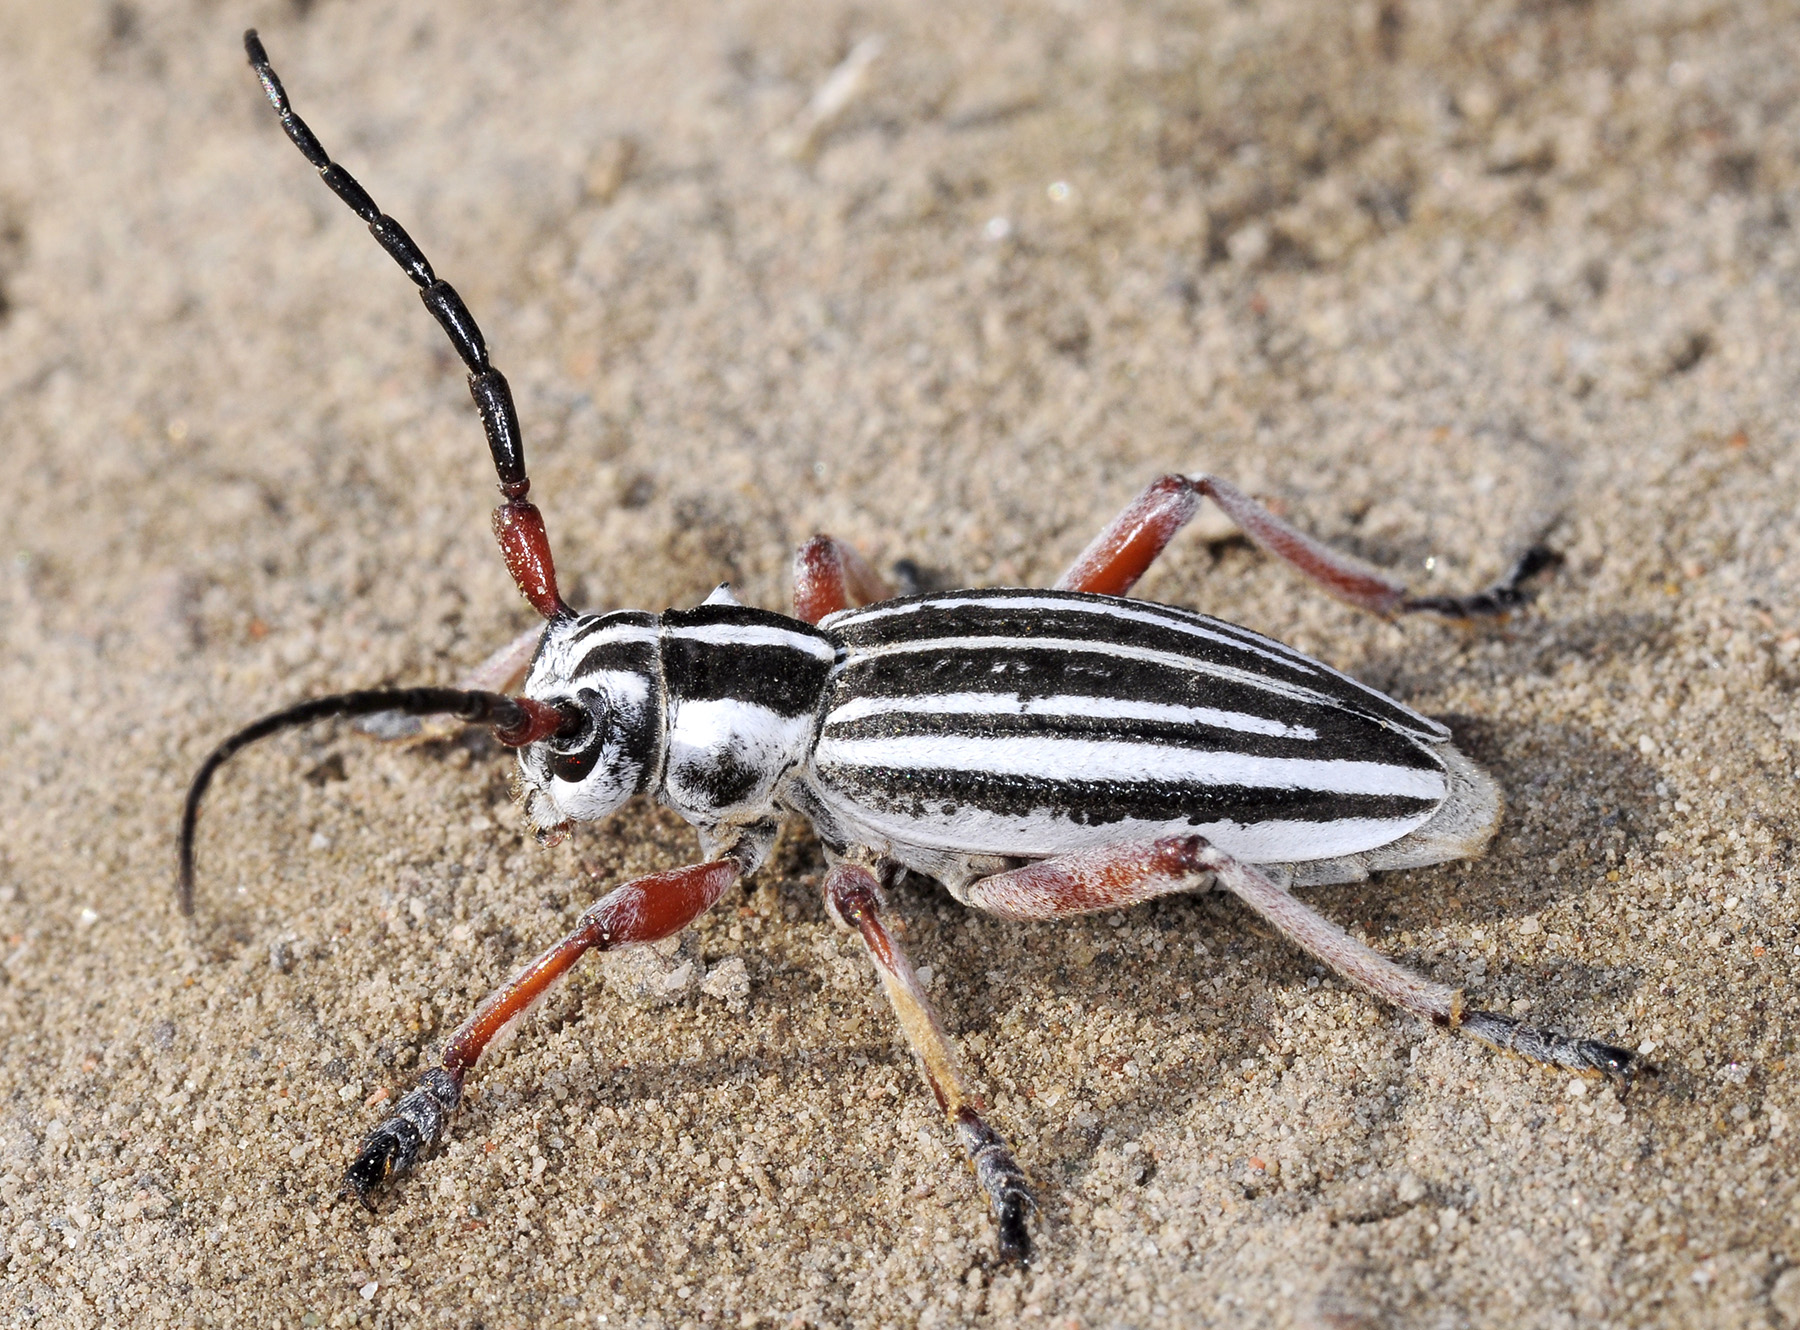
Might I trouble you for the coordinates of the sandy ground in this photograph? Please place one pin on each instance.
(1437, 278)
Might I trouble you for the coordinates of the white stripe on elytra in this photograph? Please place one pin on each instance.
(1167, 659)
(1042, 833)
(1427, 727)
(755, 635)
(1167, 616)
(1126, 762)
(1087, 708)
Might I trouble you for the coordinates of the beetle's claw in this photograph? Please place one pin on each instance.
(1015, 1234)
(1615, 1063)
(1002, 1179)
(417, 1123)
(386, 1153)
(1619, 1065)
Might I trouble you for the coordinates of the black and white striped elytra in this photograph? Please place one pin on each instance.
(964, 732)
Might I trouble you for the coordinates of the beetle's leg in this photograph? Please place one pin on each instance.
(1368, 968)
(502, 672)
(854, 896)
(1115, 878)
(830, 576)
(643, 910)
(1122, 553)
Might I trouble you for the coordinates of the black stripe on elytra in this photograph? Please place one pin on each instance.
(1068, 615)
(1038, 672)
(1088, 618)
(929, 794)
(1141, 624)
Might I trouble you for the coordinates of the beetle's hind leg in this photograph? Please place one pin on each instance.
(1116, 878)
(1438, 1003)
(854, 897)
(1121, 554)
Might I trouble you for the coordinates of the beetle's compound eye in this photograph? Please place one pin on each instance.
(605, 751)
(575, 748)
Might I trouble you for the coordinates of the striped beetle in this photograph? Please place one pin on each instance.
(1040, 753)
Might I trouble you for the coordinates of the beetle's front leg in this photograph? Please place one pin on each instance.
(854, 897)
(643, 910)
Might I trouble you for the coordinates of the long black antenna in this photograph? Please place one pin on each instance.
(516, 720)
(517, 522)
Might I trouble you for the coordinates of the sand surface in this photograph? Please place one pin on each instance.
(1439, 279)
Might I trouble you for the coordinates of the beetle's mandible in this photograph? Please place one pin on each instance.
(1040, 753)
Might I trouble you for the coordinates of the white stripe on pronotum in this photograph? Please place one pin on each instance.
(756, 635)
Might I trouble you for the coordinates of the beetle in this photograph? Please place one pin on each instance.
(1041, 753)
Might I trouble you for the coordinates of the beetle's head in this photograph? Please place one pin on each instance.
(588, 727)
(602, 671)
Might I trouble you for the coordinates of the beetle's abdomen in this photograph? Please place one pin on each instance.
(1028, 723)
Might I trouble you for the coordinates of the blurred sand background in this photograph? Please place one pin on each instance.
(1437, 277)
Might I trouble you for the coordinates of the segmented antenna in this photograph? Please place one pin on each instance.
(517, 721)
(518, 525)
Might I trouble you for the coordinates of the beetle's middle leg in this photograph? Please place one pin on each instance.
(1116, 878)
(854, 897)
(1124, 551)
